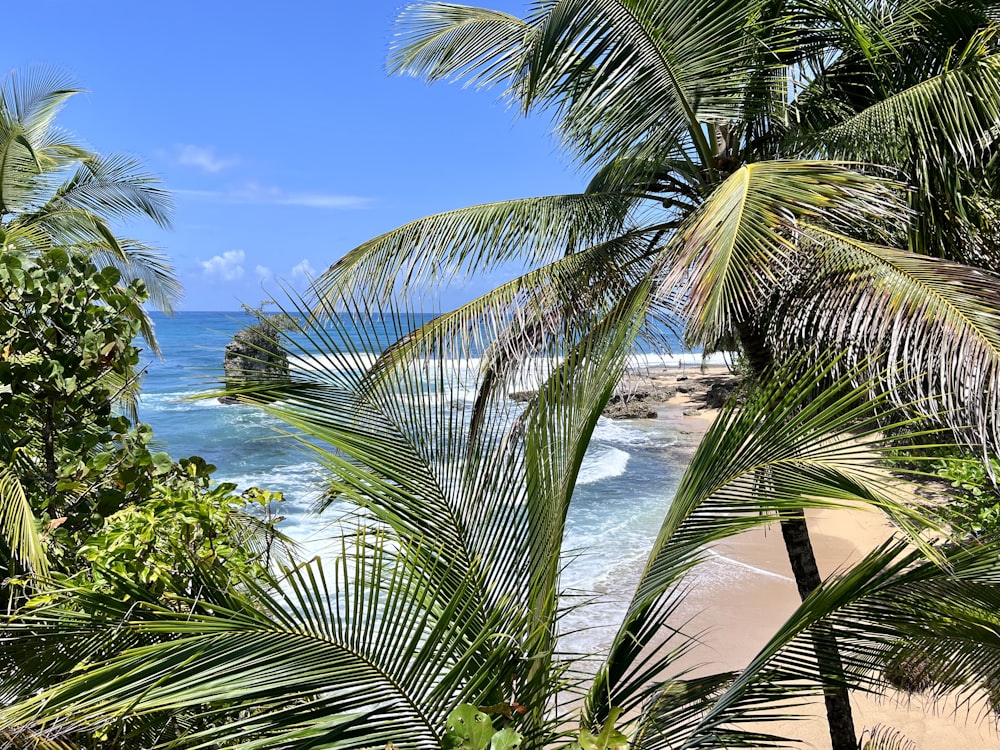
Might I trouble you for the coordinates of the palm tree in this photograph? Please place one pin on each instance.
(445, 590)
(55, 192)
(731, 146)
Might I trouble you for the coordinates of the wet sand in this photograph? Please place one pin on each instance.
(748, 591)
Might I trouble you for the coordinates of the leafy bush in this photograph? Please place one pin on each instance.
(182, 529)
(976, 508)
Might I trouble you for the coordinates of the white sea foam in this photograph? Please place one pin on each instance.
(177, 401)
(747, 567)
(302, 483)
(676, 361)
(602, 463)
(632, 433)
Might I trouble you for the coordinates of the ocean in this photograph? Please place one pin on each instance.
(629, 475)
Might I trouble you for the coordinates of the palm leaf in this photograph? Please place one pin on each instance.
(28, 149)
(935, 322)
(115, 186)
(794, 444)
(742, 240)
(941, 122)
(683, 61)
(17, 522)
(443, 41)
(307, 656)
(893, 593)
(441, 246)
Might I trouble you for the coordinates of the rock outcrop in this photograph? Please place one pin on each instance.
(254, 355)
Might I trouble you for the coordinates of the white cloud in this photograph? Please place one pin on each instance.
(316, 200)
(264, 273)
(228, 266)
(304, 269)
(203, 158)
(269, 195)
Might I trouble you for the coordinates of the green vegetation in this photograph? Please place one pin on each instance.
(975, 504)
(89, 512)
(56, 193)
(739, 153)
(783, 178)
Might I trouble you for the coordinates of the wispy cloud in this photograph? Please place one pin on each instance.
(303, 269)
(203, 157)
(318, 200)
(264, 273)
(257, 194)
(228, 266)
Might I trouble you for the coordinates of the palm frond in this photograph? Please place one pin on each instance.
(443, 41)
(17, 523)
(139, 261)
(685, 61)
(115, 186)
(935, 323)
(367, 650)
(893, 594)
(743, 238)
(441, 246)
(944, 121)
(793, 444)
(536, 313)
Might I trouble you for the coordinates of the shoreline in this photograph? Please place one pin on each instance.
(744, 593)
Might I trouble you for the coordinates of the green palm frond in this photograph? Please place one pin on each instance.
(796, 443)
(551, 306)
(369, 649)
(115, 186)
(443, 41)
(29, 147)
(17, 523)
(942, 122)
(454, 600)
(934, 321)
(742, 239)
(55, 193)
(441, 246)
(893, 593)
(34, 97)
(140, 261)
(685, 61)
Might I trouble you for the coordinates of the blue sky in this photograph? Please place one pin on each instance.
(279, 133)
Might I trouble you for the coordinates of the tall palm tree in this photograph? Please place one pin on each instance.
(446, 589)
(791, 173)
(55, 192)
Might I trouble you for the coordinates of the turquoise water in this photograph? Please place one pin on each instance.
(628, 477)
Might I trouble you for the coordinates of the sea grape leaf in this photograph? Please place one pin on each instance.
(506, 739)
(468, 728)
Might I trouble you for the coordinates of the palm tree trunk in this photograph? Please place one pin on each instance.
(798, 547)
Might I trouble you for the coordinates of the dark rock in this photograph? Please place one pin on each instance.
(521, 396)
(719, 393)
(254, 355)
(631, 409)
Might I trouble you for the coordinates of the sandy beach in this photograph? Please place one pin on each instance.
(751, 592)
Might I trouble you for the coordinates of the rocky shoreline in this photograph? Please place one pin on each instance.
(640, 395)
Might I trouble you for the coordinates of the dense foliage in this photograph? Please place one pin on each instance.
(734, 193)
(89, 510)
